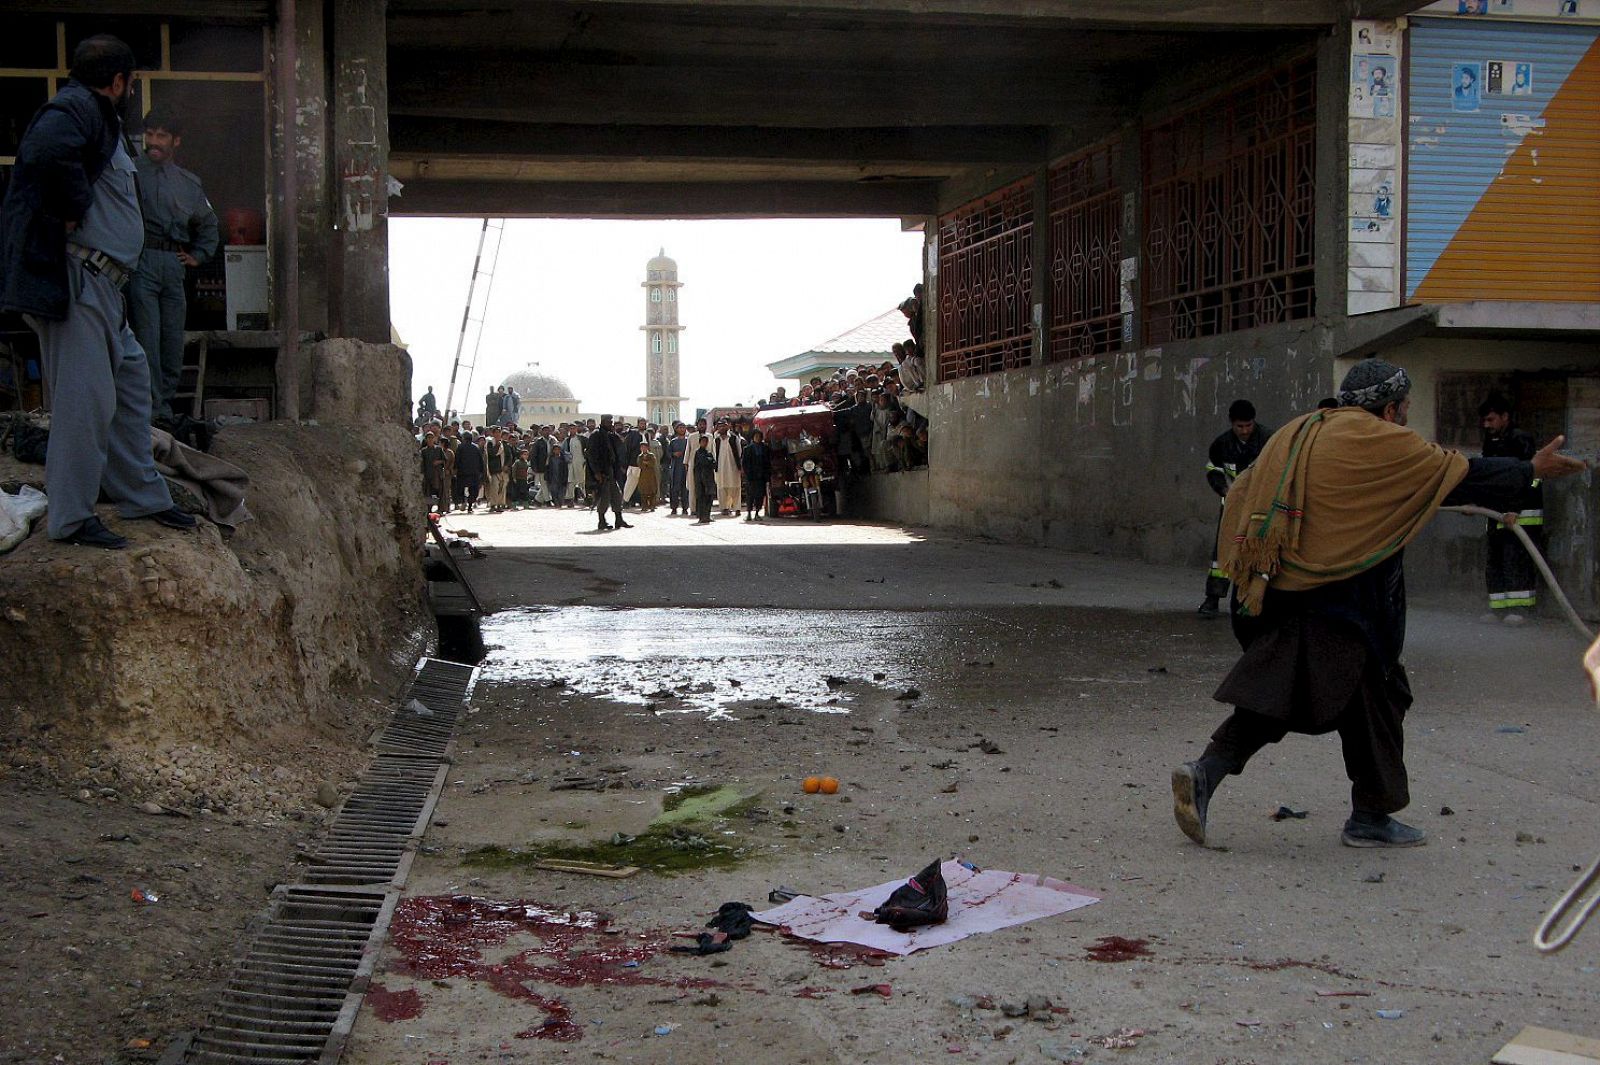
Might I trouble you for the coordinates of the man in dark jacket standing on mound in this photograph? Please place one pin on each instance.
(70, 237)
(1312, 538)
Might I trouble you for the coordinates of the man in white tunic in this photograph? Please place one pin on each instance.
(727, 448)
(577, 464)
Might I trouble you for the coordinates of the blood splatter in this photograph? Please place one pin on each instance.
(813, 992)
(442, 937)
(841, 955)
(394, 1006)
(1116, 948)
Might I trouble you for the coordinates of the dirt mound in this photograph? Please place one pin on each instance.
(233, 674)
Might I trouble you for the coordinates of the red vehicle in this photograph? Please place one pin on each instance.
(804, 442)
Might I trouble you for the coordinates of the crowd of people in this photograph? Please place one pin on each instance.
(878, 409)
(610, 464)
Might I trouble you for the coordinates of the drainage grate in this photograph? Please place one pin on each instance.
(294, 994)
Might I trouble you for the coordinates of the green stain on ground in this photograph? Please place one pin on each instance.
(686, 837)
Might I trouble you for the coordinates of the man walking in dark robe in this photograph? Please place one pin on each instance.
(705, 480)
(1312, 539)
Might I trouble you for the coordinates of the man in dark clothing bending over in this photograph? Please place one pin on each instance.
(1312, 539)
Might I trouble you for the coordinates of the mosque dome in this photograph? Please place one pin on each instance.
(532, 385)
(663, 263)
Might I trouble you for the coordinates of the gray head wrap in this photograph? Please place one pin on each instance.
(1374, 383)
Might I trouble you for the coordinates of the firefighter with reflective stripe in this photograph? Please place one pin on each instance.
(1509, 572)
(1230, 455)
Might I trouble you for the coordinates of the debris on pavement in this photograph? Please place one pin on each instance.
(988, 746)
(977, 902)
(1284, 813)
(921, 900)
(1121, 1039)
(1391, 1015)
(572, 865)
(908, 695)
(782, 893)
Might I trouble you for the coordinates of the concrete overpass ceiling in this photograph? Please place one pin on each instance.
(821, 108)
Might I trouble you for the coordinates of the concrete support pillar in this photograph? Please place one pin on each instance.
(1039, 313)
(1333, 176)
(930, 302)
(359, 304)
(1131, 176)
(309, 157)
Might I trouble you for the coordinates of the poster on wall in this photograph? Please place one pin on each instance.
(1373, 280)
(1466, 81)
(1372, 81)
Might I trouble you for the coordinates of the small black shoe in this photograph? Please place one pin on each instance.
(1209, 608)
(1366, 832)
(602, 527)
(92, 533)
(622, 524)
(173, 518)
(1191, 796)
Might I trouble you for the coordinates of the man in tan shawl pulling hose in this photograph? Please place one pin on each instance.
(1312, 538)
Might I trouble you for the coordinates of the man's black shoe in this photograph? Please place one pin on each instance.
(173, 518)
(602, 527)
(1366, 830)
(622, 524)
(94, 534)
(1191, 797)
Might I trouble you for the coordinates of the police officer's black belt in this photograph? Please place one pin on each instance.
(162, 244)
(98, 262)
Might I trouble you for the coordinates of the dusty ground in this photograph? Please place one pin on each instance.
(1096, 688)
(228, 680)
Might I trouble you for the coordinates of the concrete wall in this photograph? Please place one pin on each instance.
(1108, 455)
(898, 498)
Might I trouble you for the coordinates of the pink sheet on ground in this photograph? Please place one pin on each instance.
(979, 902)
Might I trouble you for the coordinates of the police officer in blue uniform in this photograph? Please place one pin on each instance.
(180, 231)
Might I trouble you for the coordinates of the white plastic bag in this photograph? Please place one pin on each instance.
(17, 514)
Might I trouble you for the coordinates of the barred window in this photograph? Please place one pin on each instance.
(1229, 190)
(655, 295)
(1086, 254)
(986, 283)
(655, 343)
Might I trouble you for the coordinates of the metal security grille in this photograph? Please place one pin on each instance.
(1229, 210)
(294, 993)
(1086, 254)
(986, 284)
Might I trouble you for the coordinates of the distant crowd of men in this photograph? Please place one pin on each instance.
(609, 464)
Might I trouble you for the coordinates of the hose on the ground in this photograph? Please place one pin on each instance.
(1538, 561)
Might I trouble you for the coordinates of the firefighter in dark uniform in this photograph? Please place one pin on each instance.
(1231, 454)
(1510, 574)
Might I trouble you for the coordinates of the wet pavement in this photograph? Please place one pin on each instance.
(1043, 724)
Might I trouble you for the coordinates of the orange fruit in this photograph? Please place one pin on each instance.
(812, 785)
(829, 785)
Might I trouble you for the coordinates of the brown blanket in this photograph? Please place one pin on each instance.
(1332, 494)
(219, 484)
